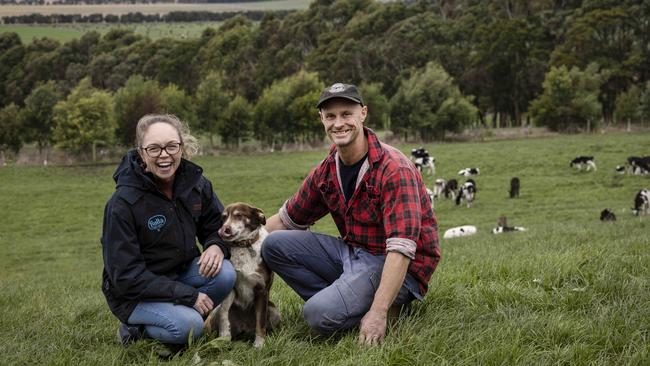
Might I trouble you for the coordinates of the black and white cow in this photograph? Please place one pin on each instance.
(451, 189)
(607, 215)
(502, 227)
(423, 161)
(586, 161)
(514, 187)
(467, 172)
(467, 192)
(439, 187)
(642, 202)
(639, 165)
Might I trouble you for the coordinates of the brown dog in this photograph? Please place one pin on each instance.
(247, 309)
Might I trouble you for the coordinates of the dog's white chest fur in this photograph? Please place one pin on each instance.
(247, 261)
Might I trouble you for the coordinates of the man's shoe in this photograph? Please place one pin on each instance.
(127, 334)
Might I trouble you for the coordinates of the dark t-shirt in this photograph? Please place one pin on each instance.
(349, 175)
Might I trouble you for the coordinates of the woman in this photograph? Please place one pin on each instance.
(155, 279)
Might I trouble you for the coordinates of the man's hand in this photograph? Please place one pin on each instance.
(210, 261)
(203, 304)
(373, 327)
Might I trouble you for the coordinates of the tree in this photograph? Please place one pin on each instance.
(569, 100)
(273, 121)
(378, 105)
(137, 98)
(605, 37)
(645, 103)
(10, 131)
(37, 116)
(211, 100)
(237, 122)
(84, 119)
(176, 102)
(304, 116)
(429, 104)
(629, 107)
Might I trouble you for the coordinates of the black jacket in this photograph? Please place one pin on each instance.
(148, 240)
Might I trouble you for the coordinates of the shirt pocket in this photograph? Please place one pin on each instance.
(330, 196)
(367, 206)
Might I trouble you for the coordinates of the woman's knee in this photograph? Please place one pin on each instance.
(189, 325)
(226, 276)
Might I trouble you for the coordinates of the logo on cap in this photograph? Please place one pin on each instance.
(337, 88)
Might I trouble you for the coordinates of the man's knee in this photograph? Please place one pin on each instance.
(272, 247)
(324, 316)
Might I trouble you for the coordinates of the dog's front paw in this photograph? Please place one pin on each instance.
(259, 342)
(225, 337)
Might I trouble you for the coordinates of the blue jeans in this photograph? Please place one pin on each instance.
(337, 281)
(172, 323)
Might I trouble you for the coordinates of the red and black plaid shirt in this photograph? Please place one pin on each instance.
(390, 202)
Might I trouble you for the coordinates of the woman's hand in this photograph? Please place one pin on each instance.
(210, 261)
(203, 304)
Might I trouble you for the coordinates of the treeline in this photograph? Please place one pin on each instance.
(96, 2)
(137, 17)
(425, 68)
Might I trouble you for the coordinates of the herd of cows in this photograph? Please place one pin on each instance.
(635, 165)
(466, 192)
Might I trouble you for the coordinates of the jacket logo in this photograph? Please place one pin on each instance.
(155, 223)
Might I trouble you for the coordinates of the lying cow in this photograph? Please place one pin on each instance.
(639, 165)
(502, 227)
(583, 161)
(468, 172)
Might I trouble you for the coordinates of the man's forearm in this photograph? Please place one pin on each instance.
(392, 278)
(274, 223)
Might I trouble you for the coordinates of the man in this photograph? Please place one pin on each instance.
(389, 244)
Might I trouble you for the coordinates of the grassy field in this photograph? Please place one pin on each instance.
(118, 9)
(68, 32)
(571, 290)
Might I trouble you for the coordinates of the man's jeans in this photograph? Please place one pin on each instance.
(337, 281)
(172, 323)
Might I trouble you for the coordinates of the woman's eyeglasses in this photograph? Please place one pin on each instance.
(154, 151)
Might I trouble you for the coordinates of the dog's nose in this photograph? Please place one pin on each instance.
(226, 230)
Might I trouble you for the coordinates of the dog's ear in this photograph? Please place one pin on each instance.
(260, 216)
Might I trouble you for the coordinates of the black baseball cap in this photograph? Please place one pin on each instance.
(340, 90)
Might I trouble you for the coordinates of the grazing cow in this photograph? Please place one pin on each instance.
(451, 189)
(459, 231)
(439, 187)
(502, 227)
(607, 215)
(639, 165)
(467, 172)
(423, 160)
(467, 192)
(580, 161)
(642, 202)
(514, 187)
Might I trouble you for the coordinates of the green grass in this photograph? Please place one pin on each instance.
(68, 32)
(571, 290)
